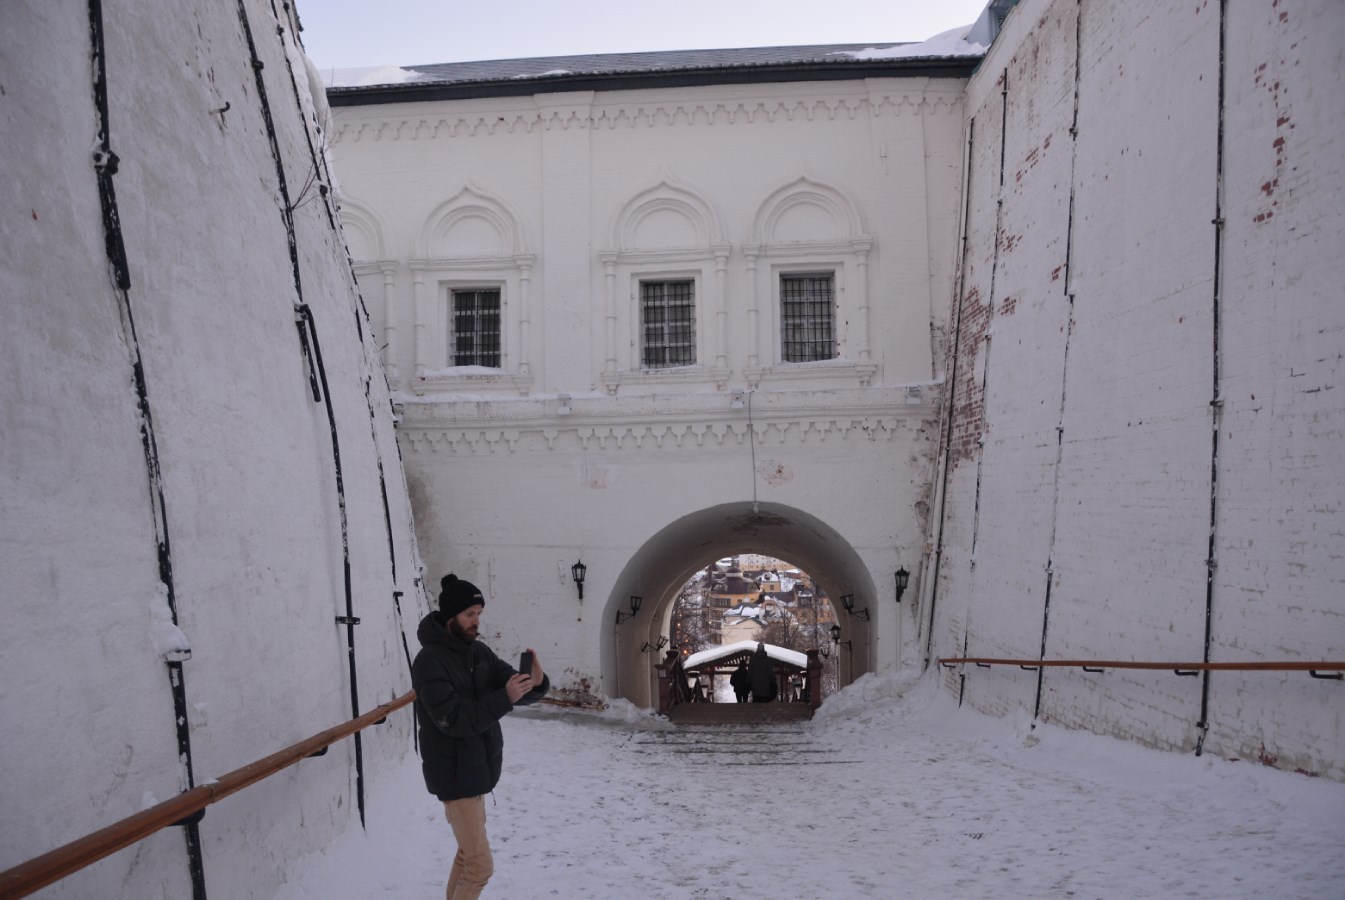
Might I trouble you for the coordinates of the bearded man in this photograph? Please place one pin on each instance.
(462, 691)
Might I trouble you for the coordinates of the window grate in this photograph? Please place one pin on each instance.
(475, 336)
(807, 318)
(668, 320)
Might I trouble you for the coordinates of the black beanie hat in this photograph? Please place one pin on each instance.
(457, 595)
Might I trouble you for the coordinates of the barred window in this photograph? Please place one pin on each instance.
(475, 328)
(668, 323)
(807, 316)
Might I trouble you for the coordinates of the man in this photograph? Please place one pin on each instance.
(462, 691)
(741, 683)
(761, 673)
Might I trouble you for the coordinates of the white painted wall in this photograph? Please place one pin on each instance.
(566, 200)
(1088, 304)
(249, 496)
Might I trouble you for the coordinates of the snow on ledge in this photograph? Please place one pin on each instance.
(950, 43)
(793, 657)
(547, 74)
(368, 76)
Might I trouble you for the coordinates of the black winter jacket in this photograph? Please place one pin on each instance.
(762, 674)
(460, 699)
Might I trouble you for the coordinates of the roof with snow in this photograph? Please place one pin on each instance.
(945, 55)
(714, 654)
(745, 611)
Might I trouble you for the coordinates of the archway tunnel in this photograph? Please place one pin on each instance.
(660, 567)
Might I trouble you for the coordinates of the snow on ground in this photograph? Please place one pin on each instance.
(880, 796)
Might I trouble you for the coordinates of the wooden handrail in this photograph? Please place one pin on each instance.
(1281, 666)
(41, 871)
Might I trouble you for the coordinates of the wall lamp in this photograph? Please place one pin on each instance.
(635, 602)
(578, 571)
(836, 639)
(903, 579)
(662, 642)
(848, 601)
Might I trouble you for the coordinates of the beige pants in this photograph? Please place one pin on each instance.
(473, 864)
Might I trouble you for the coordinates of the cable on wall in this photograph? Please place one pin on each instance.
(382, 483)
(349, 619)
(947, 436)
(312, 350)
(1064, 362)
(105, 166)
(1216, 397)
(320, 175)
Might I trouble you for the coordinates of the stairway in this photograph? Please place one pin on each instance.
(739, 713)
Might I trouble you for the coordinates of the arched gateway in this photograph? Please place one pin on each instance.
(660, 567)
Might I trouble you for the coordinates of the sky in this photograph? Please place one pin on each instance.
(355, 33)
(892, 791)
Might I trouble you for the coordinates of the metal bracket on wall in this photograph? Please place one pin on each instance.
(192, 819)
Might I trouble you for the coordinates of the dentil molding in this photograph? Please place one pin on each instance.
(649, 435)
(644, 115)
(595, 423)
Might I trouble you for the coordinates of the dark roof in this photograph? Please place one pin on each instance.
(665, 68)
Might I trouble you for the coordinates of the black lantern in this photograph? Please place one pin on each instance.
(635, 602)
(848, 601)
(903, 579)
(835, 634)
(578, 571)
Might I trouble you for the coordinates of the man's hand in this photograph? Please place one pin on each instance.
(517, 686)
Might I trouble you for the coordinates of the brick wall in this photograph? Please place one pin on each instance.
(1107, 326)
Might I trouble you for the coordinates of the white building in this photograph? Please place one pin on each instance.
(1149, 231)
(653, 309)
(1134, 302)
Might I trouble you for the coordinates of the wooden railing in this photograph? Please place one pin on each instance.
(37, 873)
(1180, 668)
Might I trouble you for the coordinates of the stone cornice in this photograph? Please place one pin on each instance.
(597, 423)
(426, 124)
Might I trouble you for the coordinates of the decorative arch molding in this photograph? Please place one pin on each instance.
(364, 230)
(667, 231)
(472, 241)
(376, 274)
(485, 225)
(815, 201)
(666, 200)
(806, 226)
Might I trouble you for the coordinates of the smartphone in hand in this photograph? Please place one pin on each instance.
(525, 663)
